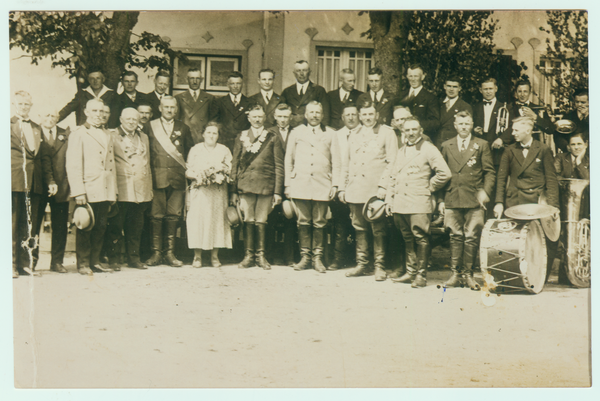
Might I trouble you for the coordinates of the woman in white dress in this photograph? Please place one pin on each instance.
(208, 166)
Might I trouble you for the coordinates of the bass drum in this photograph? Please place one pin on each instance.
(513, 255)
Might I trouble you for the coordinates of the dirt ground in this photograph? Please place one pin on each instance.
(231, 328)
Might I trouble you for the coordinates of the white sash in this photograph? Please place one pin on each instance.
(163, 138)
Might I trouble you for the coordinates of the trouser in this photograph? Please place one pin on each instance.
(361, 224)
(465, 225)
(133, 214)
(59, 215)
(167, 203)
(256, 208)
(415, 231)
(88, 244)
(311, 212)
(24, 222)
(340, 215)
(277, 222)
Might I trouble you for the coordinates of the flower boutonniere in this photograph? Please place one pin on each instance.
(472, 161)
(475, 146)
(61, 137)
(177, 133)
(384, 101)
(241, 108)
(176, 143)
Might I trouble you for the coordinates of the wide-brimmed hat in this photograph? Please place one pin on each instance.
(289, 209)
(83, 217)
(234, 215)
(374, 209)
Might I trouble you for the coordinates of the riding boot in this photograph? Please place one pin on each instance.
(156, 257)
(261, 261)
(422, 260)
(362, 255)
(379, 252)
(411, 263)
(469, 255)
(170, 255)
(317, 249)
(338, 248)
(456, 253)
(248, 260)
(305, 239)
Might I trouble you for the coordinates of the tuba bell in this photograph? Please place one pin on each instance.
(576, 231)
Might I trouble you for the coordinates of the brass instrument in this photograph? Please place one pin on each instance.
(576, 232)
(503, 119)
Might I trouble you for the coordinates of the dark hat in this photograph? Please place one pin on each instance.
(83, 217)
(234, 215)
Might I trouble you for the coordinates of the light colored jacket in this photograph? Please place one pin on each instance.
(370, 155)
(134, 176)
(312, 163)
(91, 164)
(415, 176)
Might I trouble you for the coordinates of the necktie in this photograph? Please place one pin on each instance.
(51, 137)
(448, 105)
(195, 95)
(267, 98)
(345, 98)
(235, 100)
(411, 95)
(463, 146)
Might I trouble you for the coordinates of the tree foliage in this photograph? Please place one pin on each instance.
(445, 43)
(81, 41)
(566, 55)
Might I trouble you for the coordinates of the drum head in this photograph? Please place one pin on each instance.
(533, 265)
(551, 226)
(530, 211)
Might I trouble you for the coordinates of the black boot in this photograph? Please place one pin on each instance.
(261, 261)
(305, 239)
(456, 253)
(411, 263)
(317, 249)
(248, 260)
(422, 260)
(379, 253)
(170, 255)
(470, 252)
(362, 255)
(156, 257)
(338, 247)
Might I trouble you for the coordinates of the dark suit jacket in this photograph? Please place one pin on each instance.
(447, 130)
(385, 107)
(78, 103)
(471, 170)
(269, 108)
(566, 169)
(233, 119)
(54, 163)
(336, 106)
(155, 102)
(194, 114)
(529, 177)
(492, 134)
(425, 106)
(165, 170)
(33, 160)
(121, 102)
(258, 173)
(277, 131)
(298, 103)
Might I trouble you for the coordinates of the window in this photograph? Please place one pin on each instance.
(548, 66)
(332, 60)
(214, 69)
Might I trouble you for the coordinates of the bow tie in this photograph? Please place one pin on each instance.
(521, 104)
(487, 102)
(525, 147)
(410, 144)
(26, 121)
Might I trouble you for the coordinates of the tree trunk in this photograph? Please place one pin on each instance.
(389, 31)
(118, 45)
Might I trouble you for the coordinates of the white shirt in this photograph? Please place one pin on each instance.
(132, 97)
(49, 133)
(168, 125)
(235, 99)
(284, 133)
(463, 143)
(343, 94)
(160, 96)
(376, 96)
(450, 102)
(267, 96)
(414, 92)
(302, 88)
(487, 112)
(102, 91)
(27, 133)
(195, 93)
(526, 151)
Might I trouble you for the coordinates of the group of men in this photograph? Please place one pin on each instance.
(345, 151)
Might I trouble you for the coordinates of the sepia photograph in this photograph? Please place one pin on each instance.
(325, 199)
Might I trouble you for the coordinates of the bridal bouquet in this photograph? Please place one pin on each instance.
(212, 175)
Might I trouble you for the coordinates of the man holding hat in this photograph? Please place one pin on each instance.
(465, 197)
(311, 174)
(371, 152)
(93, 180)
(418, 172)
